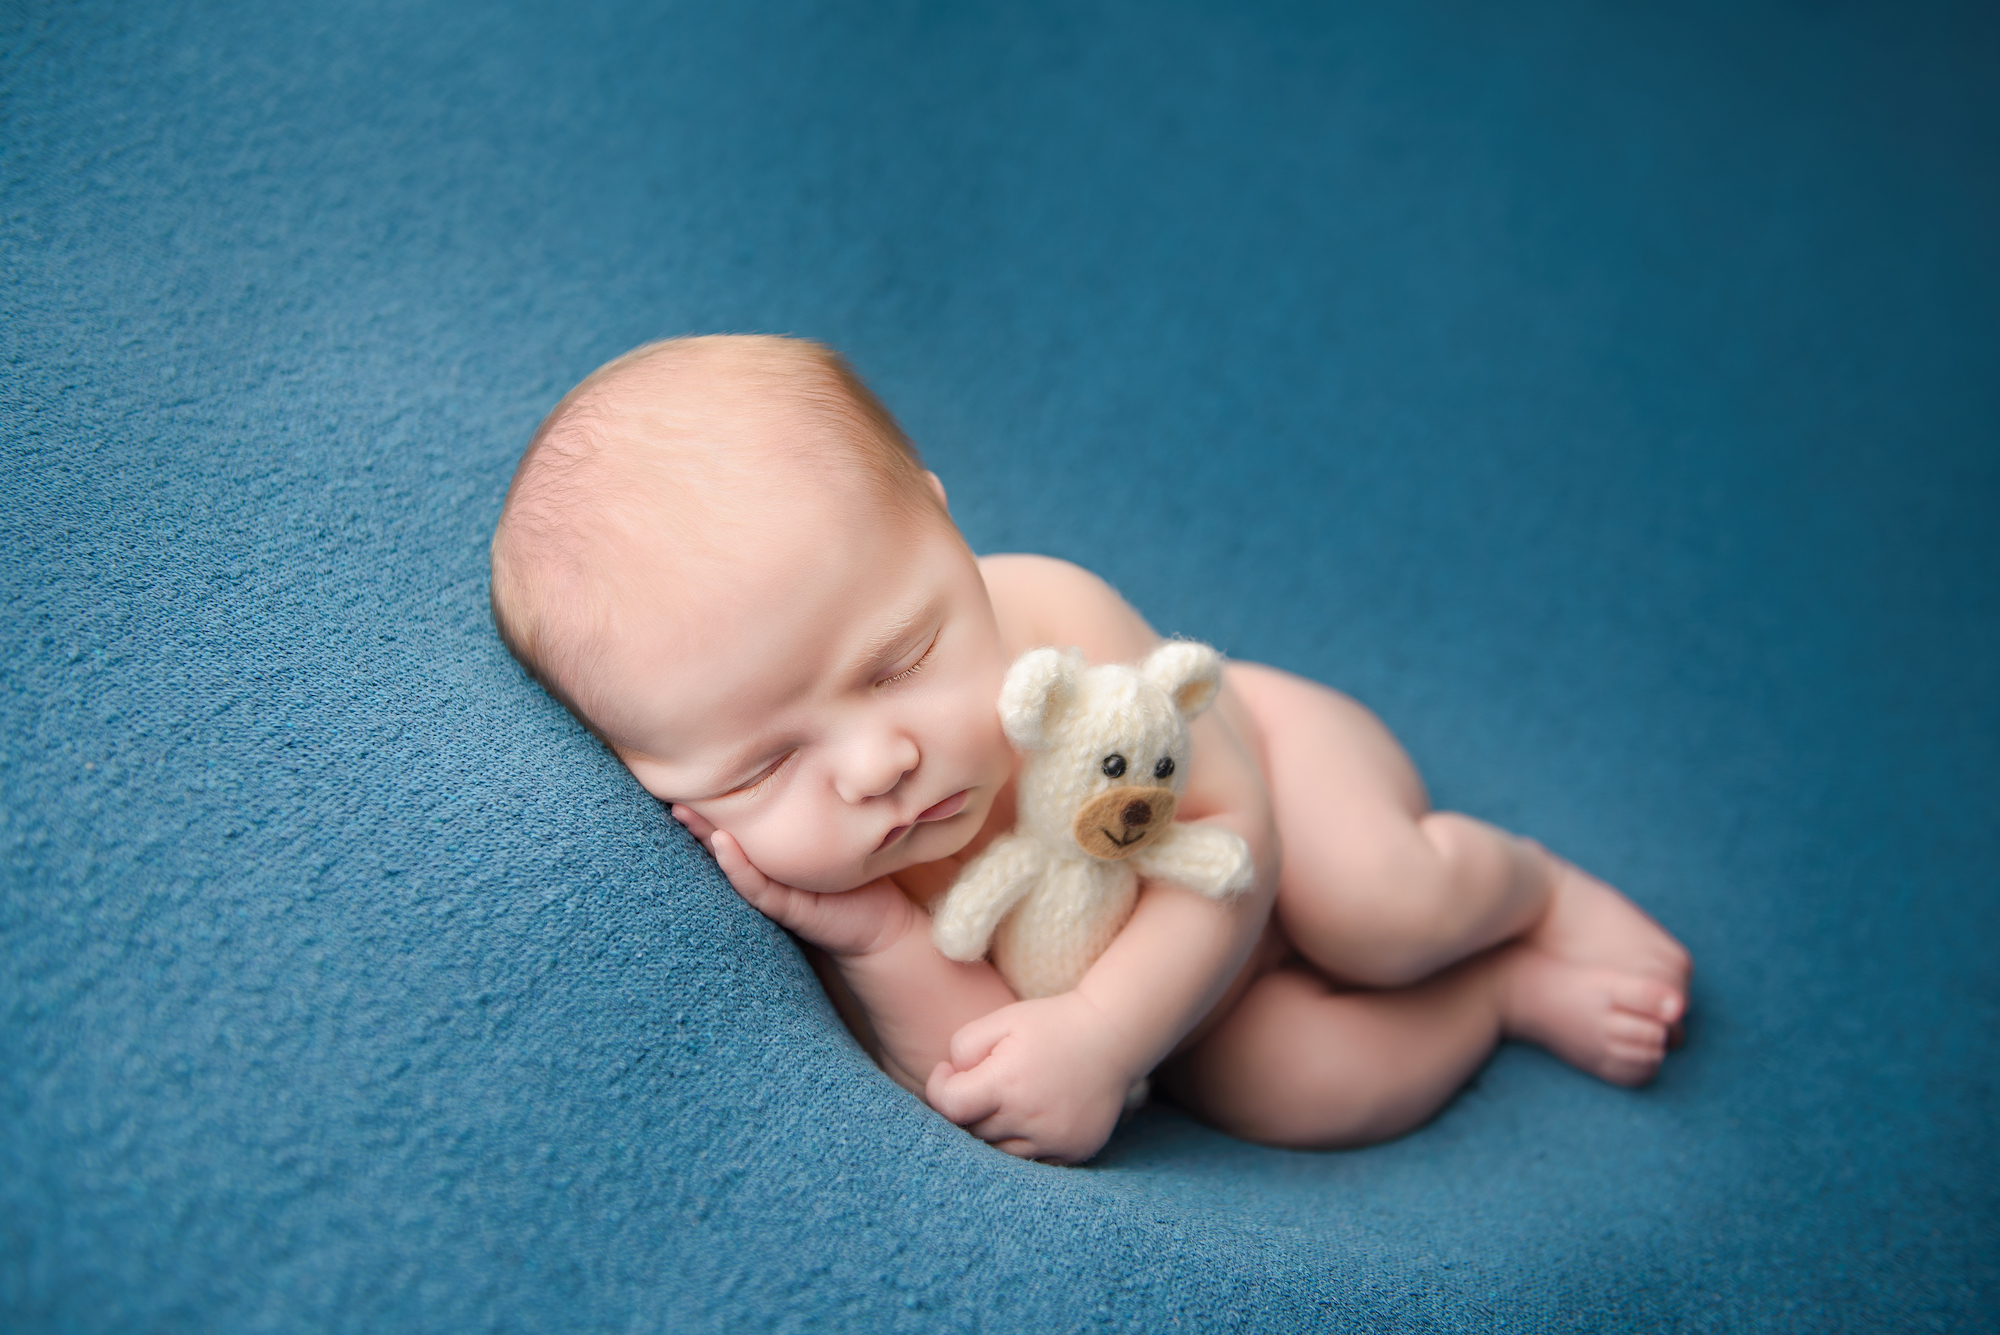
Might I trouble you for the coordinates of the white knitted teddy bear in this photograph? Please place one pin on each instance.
(1106, 755)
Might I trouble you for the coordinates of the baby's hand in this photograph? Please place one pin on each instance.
(1042, 1079)
(860, 922)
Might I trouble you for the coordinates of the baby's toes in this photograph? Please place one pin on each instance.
(1630, 1066)
(1672, 964)
(1650, 998)
(1626, 1032)
(1608, 1022)
(1636, 1028)
(1634, 1047)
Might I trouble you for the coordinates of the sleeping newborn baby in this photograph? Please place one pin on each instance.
(723, 555)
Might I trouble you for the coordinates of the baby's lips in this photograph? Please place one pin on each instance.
(946, 809)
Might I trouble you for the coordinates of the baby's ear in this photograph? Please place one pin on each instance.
(1189, 672)
(1037, 693)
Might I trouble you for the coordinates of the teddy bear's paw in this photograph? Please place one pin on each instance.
(958, 939)
(1212, 862)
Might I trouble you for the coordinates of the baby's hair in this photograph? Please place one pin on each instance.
(635, 457)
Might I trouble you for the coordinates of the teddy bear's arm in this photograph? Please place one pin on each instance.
(984, 893)
(1206, 859)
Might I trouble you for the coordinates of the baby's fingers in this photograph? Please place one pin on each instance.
(974, 1042)
(1021, 1147)
(962, 1097)
(859, 922)
(972, 1099)
(1003, 1132)
(736, 865)
(780, 903)
(696, 824)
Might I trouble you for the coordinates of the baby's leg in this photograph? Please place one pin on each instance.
(1377, 888)
(1299, 1063)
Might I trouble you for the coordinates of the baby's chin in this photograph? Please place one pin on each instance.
(822, 879)
(929, 843)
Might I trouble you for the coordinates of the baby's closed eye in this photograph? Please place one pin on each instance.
(762, 777)
(904, 674)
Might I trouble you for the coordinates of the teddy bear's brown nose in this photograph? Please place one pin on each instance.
(1136, 812)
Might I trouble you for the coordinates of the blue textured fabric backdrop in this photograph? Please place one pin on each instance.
(1609, 397)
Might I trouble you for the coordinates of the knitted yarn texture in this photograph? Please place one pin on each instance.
(1106, 753)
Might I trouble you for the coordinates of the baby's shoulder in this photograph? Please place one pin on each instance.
(1043, 600)
(1043, 589)
(1028, 573)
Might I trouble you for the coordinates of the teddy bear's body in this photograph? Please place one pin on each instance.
(1105, 761)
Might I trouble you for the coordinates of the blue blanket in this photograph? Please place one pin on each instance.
(1609, 398)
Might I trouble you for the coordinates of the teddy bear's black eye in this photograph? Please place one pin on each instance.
(1114, 766)
(1165, 768)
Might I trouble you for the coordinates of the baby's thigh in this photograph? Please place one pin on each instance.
(1325, 756)
(1347, 803)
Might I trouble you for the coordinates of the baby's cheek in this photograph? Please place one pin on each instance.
(794, 849)
(972, 735)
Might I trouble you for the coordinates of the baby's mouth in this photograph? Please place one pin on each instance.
(944, 810)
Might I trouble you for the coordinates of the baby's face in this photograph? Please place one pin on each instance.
(828, 698)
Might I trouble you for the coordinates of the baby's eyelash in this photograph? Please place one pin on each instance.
(770, 773)
(911, 670)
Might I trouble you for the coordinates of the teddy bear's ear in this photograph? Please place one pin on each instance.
(1036, 694)
(1189, 672)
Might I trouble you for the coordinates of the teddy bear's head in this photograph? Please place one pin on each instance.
(1106, 747)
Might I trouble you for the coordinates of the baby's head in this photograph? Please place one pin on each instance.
(723, 555)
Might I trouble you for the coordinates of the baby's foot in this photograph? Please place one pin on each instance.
(1611, 1023)
(1588, 922)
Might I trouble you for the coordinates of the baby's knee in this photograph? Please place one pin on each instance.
(1380, 920)
(1399, 958)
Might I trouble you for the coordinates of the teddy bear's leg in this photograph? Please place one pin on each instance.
(963, 922)
(1047, 945)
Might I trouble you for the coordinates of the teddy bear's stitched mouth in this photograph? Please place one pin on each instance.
(1120, 821)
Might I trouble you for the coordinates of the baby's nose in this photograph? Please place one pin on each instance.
(874, 766)
(1136, 812)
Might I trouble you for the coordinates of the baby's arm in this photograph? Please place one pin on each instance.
(880, 943)
(1046, 1078)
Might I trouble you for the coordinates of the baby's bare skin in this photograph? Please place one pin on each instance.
(819, 708)
(1403, 946)
(1377, 892)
